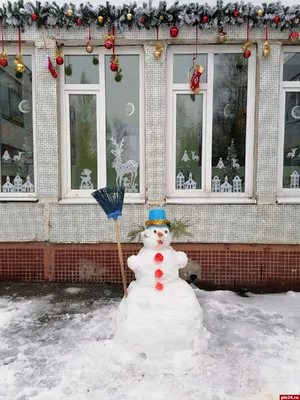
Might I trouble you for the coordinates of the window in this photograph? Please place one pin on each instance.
(17, 131)
(103, 123)
(289, 125)
(210, 134)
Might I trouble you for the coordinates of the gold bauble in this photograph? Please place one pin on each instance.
(89, 48)
(69, 13)
(161, 17)
(157, 54)
(100, 19)
(129, 17)
(260, 13)
(266, 52)
(222, 38)
(20, 67)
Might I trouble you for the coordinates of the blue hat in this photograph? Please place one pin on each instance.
(157, 217)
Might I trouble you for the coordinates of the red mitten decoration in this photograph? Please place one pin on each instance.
(158, 273)
(159, 286)
(159, 257)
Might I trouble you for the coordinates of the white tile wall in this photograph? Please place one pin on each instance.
(266, 222)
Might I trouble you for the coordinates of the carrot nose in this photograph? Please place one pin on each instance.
(160, 234)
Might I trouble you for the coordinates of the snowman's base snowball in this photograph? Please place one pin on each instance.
(154, 323)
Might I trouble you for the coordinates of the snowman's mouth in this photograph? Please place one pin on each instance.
(160, 242)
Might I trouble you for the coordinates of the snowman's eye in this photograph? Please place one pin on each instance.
(166, 231)
(154, 231)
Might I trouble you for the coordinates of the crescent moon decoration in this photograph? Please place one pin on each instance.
(129, 109)
(296, 112)
(24, 106)
(227, 111)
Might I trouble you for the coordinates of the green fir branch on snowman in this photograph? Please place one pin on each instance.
(179, 228)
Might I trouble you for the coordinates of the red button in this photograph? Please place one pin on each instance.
(159, 257)
(159, 286)
(158, 273)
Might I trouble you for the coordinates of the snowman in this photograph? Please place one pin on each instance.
(161, 314)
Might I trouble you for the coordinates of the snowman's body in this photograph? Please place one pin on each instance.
(161, 312)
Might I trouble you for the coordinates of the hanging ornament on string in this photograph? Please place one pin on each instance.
(294, 36)
(198, 70)
(3, 55)
(174, 31)
(267, 48)
(248, 44)
(114, 62)
(159, 48)
(89, 48)
(59, 58)
(109, 39)
(19, 64)
(222, 35)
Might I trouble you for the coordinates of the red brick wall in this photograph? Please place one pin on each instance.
(223, 265)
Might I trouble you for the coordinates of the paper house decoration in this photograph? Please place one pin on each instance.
(190, 184)
(180, 181)
(28, 187)
(226, 187)
(8, 187)
(294, 180)
(215, 184)
(18, 183)
(237, 184)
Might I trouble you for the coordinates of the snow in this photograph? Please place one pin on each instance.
(161, 314)
(57, 351)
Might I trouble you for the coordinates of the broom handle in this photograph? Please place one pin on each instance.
(121, 257)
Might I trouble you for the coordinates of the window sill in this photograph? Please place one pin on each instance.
(86, 200)
(4, 199)
(288, 200)
(209, 200)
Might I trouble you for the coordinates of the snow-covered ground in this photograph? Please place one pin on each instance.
(59, 351)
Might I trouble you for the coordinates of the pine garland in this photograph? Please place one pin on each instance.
(179, 228)
(51, 15)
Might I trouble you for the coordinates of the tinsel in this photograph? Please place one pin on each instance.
(50, 15)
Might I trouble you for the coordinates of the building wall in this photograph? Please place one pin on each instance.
(46, 220)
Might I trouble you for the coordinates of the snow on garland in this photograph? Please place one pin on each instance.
(146, 16)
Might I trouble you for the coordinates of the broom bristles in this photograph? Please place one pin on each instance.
(111, 200)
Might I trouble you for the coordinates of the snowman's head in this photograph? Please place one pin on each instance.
(156, 237)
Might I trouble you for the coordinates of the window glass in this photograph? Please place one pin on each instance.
(291, 62)
(81, 69)
(83, 138)
(189, 125)
(16, 128)
(122, 112)
(183, 67)
(291, 147)
(229, 123)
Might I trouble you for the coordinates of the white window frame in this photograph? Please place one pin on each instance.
(285, 195)
(205, 195)
(30, 51)
(73, 196)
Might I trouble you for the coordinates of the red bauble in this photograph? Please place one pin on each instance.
(142, 20)
(247, 53)
(205, 19)
(114, 67)
(276, 19)
(3, 62)
(34, 17)
(108, 44)
(236, 14)
(78, 21)
(294, 36)
(59, 60)
(159, 286)
(174, 31)
(158, 257)
(158, 273)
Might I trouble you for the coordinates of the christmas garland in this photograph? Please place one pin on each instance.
(129, 16)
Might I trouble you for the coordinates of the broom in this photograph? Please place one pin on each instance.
(111, 201)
